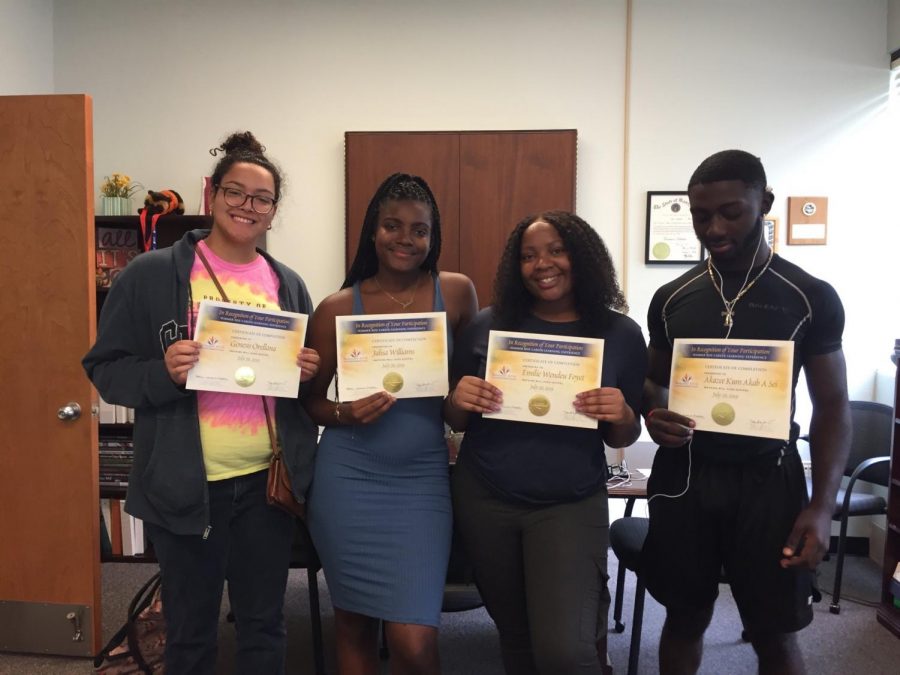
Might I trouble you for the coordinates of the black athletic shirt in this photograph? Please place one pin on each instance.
(785, 303)
(544, 463)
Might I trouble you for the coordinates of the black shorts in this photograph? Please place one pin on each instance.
(735, 518)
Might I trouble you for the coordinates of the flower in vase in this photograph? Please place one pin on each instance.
(119, 185)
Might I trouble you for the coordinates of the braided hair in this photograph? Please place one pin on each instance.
(242, 146)
(594, 282)
(396, 187)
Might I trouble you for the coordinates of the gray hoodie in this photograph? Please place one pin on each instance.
(146, 311)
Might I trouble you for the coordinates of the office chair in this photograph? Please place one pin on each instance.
(626, 537)
(869, 460)
(303, 555)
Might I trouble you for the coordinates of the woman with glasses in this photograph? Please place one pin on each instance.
(201, 458)
(379, 508)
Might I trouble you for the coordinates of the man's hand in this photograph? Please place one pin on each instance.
(669, 429)
(807, 543)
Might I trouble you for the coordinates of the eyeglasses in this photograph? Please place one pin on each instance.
(259, 203)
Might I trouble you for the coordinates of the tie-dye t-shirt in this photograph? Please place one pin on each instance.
(233, 426)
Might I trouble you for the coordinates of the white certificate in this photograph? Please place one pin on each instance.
(403, 354)
(734, 386)
(540, 375)
(247, 351)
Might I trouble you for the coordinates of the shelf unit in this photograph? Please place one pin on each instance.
(888, 613)
(170, 229)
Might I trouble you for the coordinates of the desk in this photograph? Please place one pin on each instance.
(632, 490)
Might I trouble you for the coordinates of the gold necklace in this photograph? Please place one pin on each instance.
(406, 304)
(729, 304)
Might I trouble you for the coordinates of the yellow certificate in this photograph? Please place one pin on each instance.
(403, 354)
(734, 386)
(540, 375)
(247, 351)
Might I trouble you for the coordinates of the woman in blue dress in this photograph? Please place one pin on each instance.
(379, 509)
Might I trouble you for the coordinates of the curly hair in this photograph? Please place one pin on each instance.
(242, 146)
(596, 287)
(396, 187)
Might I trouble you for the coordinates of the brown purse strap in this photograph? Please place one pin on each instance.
(276, 449)
(212, 275)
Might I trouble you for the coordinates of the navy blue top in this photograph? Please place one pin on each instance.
(543, 463)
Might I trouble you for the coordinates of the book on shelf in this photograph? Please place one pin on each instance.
(116, 247)
(105, 538)
(127, 534)
(115, 414)
(115, 525)
(137, 536)
(107, 412)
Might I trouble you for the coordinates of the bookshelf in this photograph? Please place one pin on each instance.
(117, 242)
(888, 612)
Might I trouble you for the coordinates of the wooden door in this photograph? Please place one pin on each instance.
(49, 523)
(503, 177)
(372, 157)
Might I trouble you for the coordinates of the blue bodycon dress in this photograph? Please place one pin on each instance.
(379, 509)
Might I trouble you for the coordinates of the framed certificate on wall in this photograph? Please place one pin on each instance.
(670, 230)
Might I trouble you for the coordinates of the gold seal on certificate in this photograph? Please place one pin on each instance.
(539, 405)
(540, 375)
(402, 354)
(392, 382)
(734, 386)
(722, 413)
(244, 376)
(247, 351)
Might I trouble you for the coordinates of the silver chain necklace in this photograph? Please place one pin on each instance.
(719, 285)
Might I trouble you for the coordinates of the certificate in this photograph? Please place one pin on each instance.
(247, 351)
(670, 230)
(540, 375)
(734, 386)
(403, 354)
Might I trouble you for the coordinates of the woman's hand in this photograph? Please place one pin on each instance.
(606, 404)
(366, 410)
(473, 394)
(180, 358)
(669, 429)
(308, 361)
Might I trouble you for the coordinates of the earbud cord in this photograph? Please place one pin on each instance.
(687, 484)
(729, 305)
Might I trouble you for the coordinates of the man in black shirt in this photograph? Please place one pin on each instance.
(729, 503)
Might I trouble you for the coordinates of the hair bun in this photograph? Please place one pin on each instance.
(240, 142)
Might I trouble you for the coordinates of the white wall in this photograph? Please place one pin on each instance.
(300, 74)
(26, 47)
(893, 27)
(803, 85)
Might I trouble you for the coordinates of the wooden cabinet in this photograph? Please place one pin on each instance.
(888, 613)
(484, 183)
